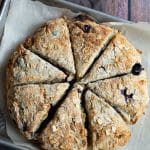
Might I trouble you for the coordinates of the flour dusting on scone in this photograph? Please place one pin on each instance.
(127, 94)
(66, 130)
(75, 84)
(88, 39)
(25, 67)
(118, 58)
(52, 41)
(29, 104)
(107, 128)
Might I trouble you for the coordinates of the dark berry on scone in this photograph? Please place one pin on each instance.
(136, 69)
(86, 28)
(127, 96)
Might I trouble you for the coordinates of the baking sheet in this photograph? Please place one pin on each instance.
(4, 5)
(19, 26)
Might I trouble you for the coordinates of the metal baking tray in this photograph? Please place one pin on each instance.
(4, 7)
(5, 142)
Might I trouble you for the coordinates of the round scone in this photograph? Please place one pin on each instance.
(76, 84)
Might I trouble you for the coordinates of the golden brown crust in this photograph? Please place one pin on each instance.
(66, 130)
(25, 67)
(107, 128)
(128, 94)
(29, 104)
(88, 39)
(52, 41)
(40, 60)
(118, 58)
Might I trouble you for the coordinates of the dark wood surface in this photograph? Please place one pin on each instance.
(134, 10)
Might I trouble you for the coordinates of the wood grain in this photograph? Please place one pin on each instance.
(140, 10)
(117, 8)
(86, 3)
(134, 10)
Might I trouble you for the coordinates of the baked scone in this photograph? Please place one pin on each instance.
(88, 39)
(107, 128)
(118, 58)
(26, 67)
(127, 94)
(74, 80)
(29, 104)
(52, 41)
(66, 130)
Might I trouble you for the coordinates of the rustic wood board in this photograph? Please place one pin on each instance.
(140, 10)
(134, 10)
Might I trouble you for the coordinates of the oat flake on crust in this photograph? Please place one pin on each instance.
(29, 104)
(118, 58)
(128, 94)
(107, 128)
(26, 67)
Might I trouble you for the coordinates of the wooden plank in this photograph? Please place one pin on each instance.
(117, 8)
(86, 3)
(140, 10)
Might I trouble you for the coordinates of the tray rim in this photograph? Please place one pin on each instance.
(4, 7)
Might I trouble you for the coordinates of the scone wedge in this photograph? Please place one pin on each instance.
(26, 67)
(52, 41)
(107, 129)
(127, 94)
(119, 57)
(66, 130)
(29, 104)
(88, 40)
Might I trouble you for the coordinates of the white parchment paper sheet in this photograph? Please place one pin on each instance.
(24, 17)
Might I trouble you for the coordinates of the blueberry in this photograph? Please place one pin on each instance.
(136, 69)
(126, 96)
(124, 91)
(86, 28)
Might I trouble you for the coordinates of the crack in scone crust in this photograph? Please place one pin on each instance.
(92, 70)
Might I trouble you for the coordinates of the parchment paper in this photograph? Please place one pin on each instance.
(23, 18)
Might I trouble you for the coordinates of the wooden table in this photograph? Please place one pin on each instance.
(134, 10)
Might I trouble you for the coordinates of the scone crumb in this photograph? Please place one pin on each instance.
(54, 129)
(113, 129)
(108, 132)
